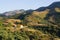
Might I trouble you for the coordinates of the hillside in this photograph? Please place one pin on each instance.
(40, 24)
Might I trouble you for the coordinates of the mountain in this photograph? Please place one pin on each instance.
(40, 24)
(50, 13)
(54, 5)
(54, 13)
(45, 18)
(10, 13)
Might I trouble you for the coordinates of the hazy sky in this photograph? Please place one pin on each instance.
(9, 5)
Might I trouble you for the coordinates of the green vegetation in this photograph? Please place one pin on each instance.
(31, 25)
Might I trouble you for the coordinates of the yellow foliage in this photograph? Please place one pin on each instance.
(13, 20)
(41, 14)
(57, 9)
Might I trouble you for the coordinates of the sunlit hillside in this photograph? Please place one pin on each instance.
(39, 24)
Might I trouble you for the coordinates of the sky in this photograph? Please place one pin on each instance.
(10, 5)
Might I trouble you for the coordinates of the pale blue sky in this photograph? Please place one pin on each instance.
(9, 5)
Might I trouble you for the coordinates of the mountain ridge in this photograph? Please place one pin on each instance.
(52, 6)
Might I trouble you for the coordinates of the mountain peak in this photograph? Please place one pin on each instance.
(55, 4)
(52, 6)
